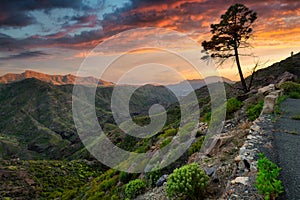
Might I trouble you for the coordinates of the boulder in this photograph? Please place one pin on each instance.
(269, 104)
(267, 89)
(277, 93)
(213, 145)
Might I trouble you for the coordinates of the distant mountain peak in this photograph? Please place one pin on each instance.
(53, 79)
(182, 88)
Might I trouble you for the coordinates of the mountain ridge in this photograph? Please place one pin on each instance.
(182, 88)
(53, 79)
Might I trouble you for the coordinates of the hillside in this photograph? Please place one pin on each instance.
(53, 79)
(182, 90)
(270, 74)
(41, 155)
(36, 117)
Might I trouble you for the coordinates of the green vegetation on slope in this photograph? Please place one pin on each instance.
(36, 123)
(48, 179)
(254, 110)
(291, 89)
(232, 106)
(188, 182)
(267, 181)
(36, 119)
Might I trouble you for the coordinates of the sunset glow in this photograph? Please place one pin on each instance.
(55, 36)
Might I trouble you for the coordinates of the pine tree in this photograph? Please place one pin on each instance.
(232, 33)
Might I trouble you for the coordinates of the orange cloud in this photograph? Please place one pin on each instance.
(281, 37)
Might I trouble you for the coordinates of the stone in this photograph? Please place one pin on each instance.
(267, 89)
(242, 150)
(269, 104)
(214, 144)
(161, 180)
(202, 124)
(237, 159)
(253, 167)
(255, 128)
(251, 137)
(240, 179)
(286, 76)
(241, 166)
(211, 170)
(250, 158)
(250, 144)
(277, 93)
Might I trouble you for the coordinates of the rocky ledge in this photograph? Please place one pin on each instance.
(259, 139)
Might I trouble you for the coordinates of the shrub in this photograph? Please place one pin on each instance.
(199, 133)
(296, 117)
(171, 132)
(294, 95)
(196, 146)
(188, 181)
(206, 117)
(233, 105)
(279, 100)
(189, 126)
(134, 188)
(165, 142)
(291, 89)
(266, 181)
(253, 111)
(168, 132)
(153, 177)
(125, 177)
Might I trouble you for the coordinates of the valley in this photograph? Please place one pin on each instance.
(42, 156)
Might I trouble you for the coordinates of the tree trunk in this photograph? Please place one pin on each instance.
(236, 54)
(251, 80)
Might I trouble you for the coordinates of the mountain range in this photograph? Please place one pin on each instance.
(53, 79)
(36, 110)
(42, 157)
(180, 89)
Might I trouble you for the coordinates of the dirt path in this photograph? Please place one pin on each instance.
(287, 146)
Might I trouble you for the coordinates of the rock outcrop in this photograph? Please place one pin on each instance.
(286, 76)
(267, 89)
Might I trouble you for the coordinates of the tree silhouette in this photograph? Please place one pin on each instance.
(230, 34)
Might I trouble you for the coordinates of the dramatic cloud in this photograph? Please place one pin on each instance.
(16, 19)
(16, 13)
(192, 17)
(24, 55)
(83, 40)
(77, 26)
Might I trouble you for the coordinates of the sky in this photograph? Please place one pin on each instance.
(56, 36)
